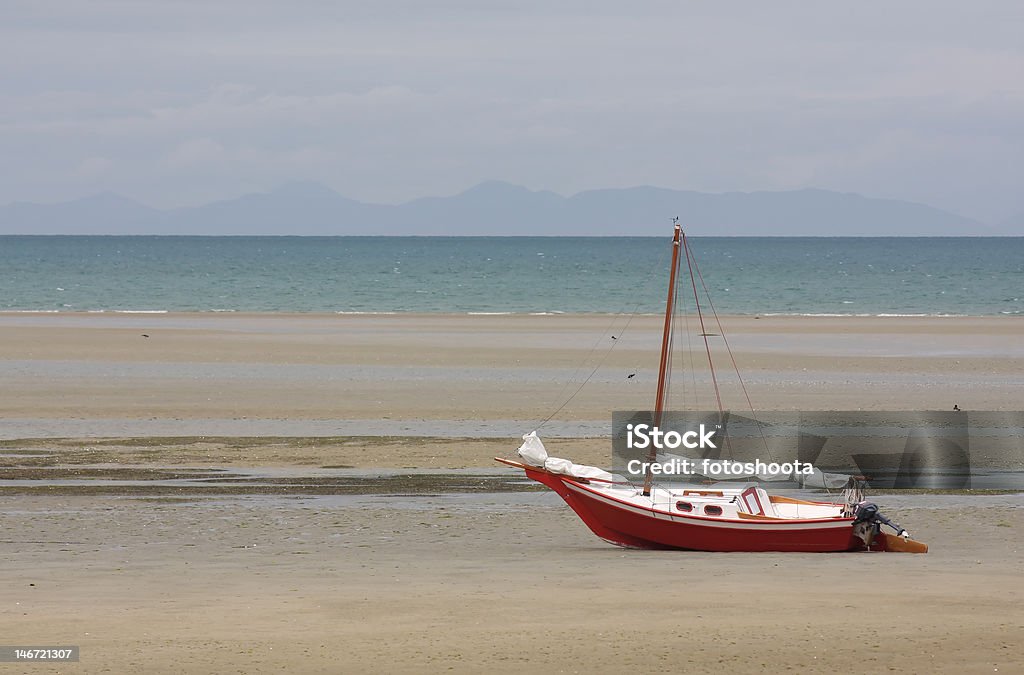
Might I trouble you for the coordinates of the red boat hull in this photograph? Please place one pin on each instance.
(625, 524)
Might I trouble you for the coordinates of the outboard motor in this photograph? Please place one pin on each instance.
(867, 513)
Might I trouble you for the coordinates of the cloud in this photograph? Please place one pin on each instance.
(189, 101)
(196, 152)
(93, 167)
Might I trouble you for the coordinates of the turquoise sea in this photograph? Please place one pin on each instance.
(746, 275)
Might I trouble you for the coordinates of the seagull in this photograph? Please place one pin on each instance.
(614, 338)
(630, 376)
(144, 335)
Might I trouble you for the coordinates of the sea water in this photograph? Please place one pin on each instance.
(744, 275)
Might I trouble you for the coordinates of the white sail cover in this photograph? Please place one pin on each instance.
(532, 450)
(534, 453)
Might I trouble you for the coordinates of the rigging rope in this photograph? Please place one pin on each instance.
(707, 346)
(693, 268)
(732, 358)
(593, 349)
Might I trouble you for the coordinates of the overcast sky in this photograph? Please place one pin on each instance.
(185, 101)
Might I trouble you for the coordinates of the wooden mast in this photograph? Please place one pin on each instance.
(666, 354)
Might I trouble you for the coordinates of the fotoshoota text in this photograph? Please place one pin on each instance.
(717, 467)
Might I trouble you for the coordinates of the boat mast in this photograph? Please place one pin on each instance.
(666, 354)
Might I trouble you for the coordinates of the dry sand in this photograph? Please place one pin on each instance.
(491, 583)
(68, 369)
(188, 575)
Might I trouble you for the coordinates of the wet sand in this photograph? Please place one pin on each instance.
(491, 583)
(328, 502)
(217, 374)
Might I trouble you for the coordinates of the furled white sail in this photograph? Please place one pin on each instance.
(532, 450)
(534, 453)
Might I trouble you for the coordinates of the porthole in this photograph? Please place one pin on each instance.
(712, 510)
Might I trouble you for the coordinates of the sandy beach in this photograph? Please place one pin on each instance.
(490, 583)
(235, 371)
(315, 493)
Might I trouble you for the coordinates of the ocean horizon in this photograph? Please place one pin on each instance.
(824, 276)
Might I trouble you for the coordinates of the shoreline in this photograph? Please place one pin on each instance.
(331, 457)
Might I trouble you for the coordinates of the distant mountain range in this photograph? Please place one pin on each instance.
(496, 208)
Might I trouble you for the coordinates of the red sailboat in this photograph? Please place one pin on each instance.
(719, 517)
